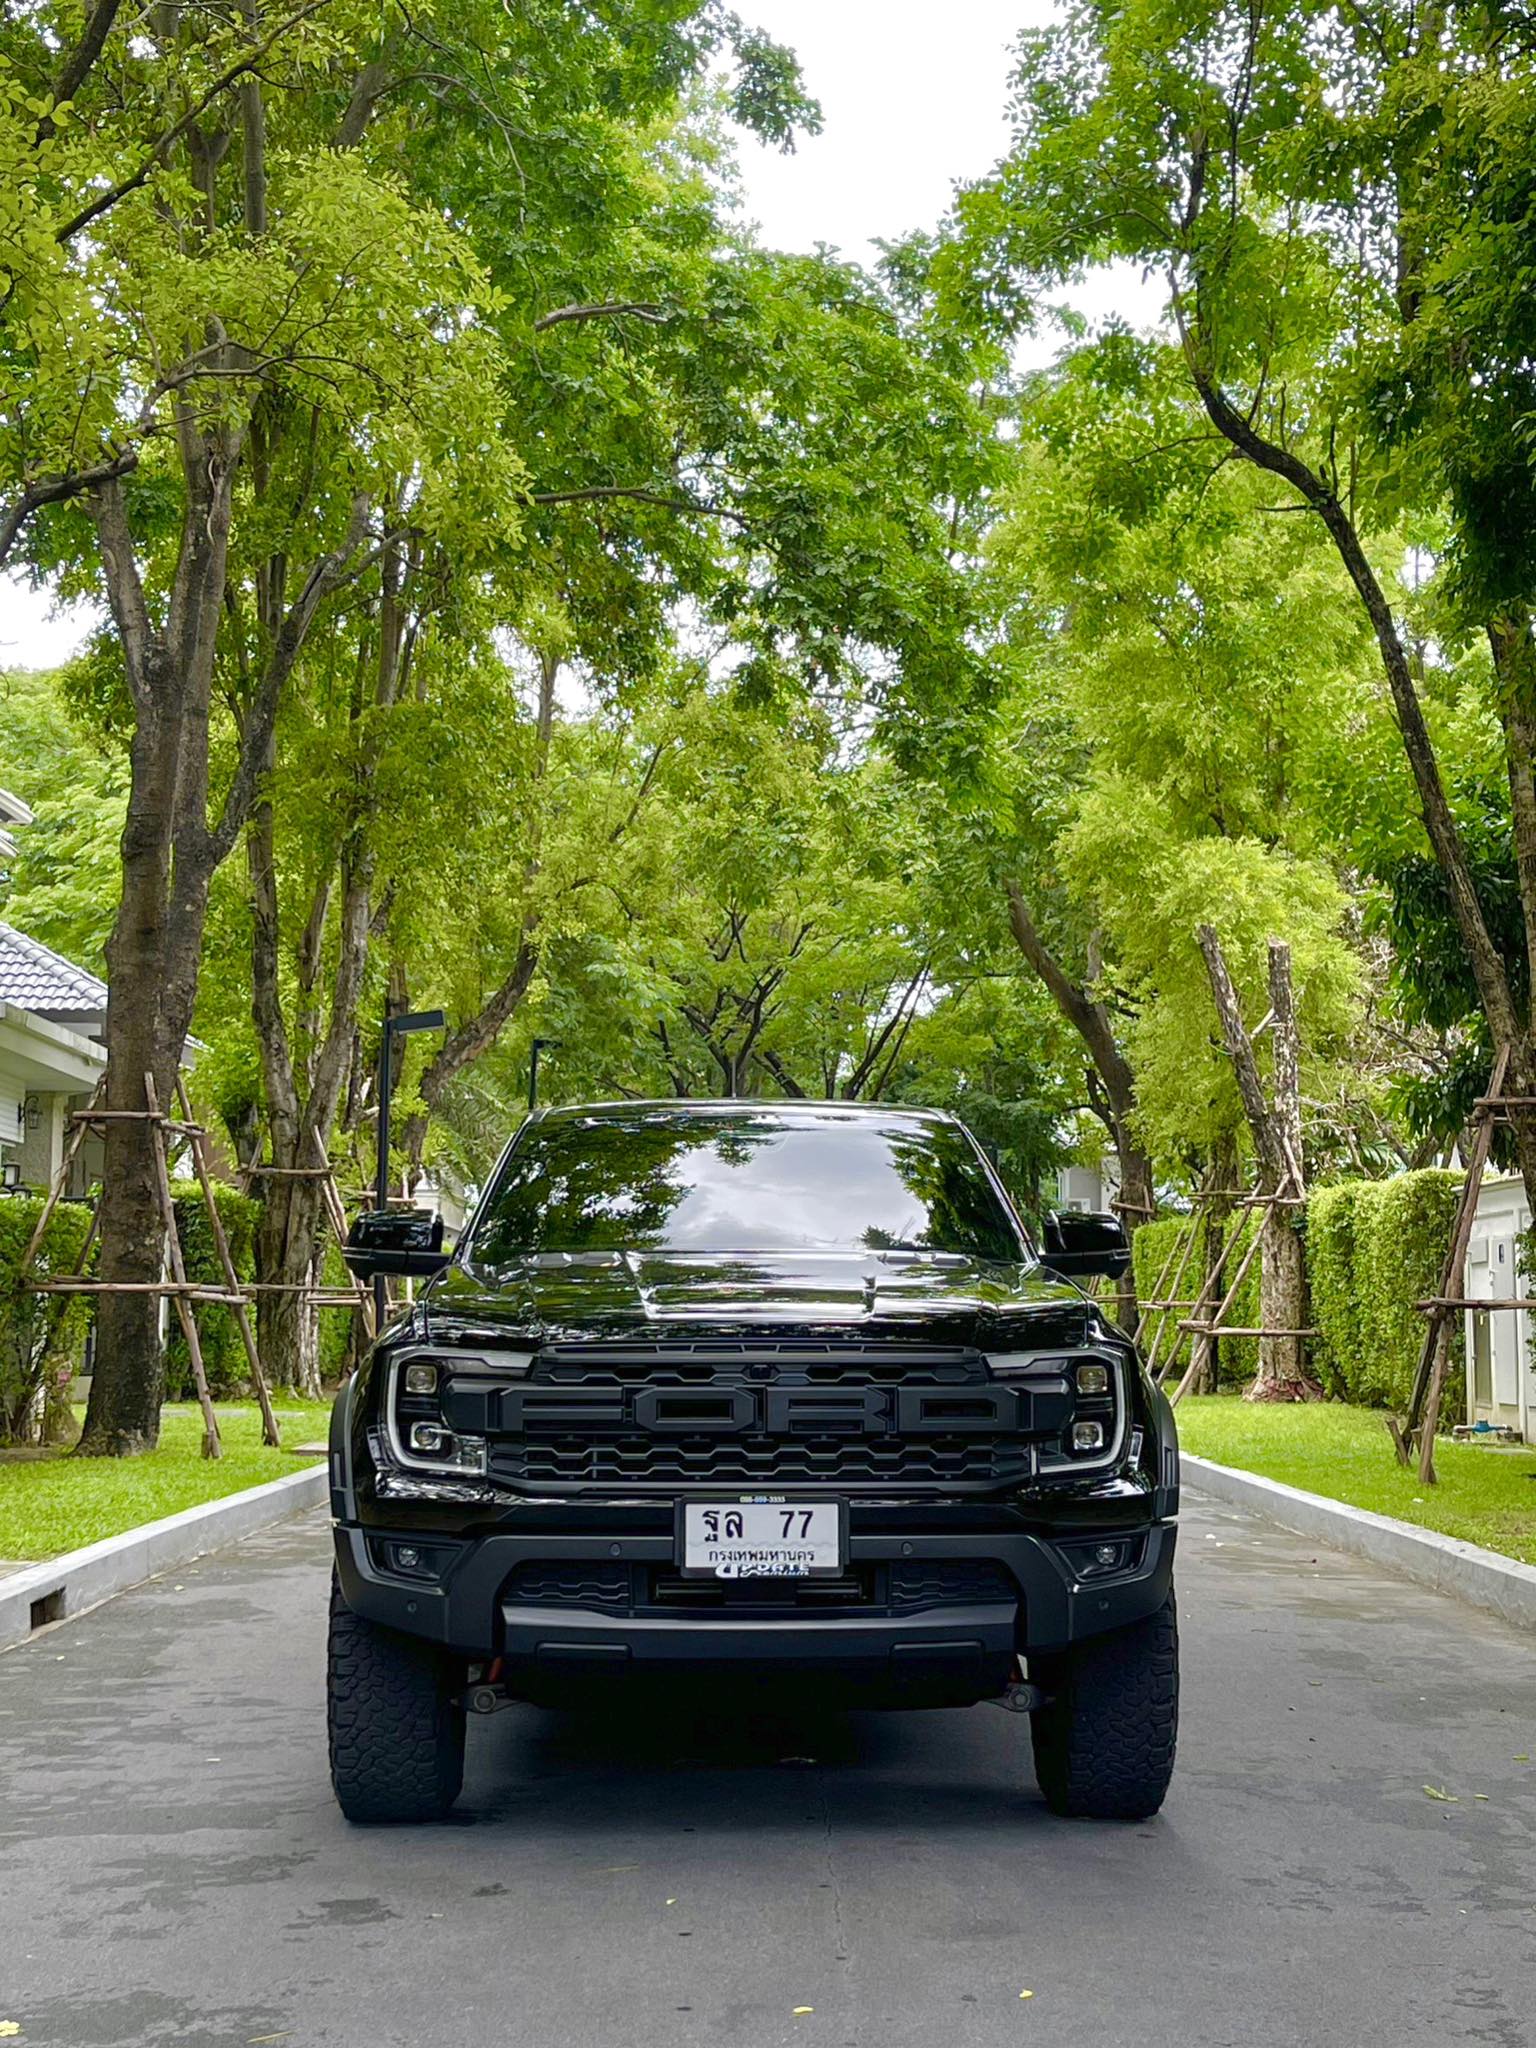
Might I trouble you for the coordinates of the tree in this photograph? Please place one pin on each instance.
(1334, 200)
(287, 367)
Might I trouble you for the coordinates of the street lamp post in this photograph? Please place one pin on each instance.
(538, 1045)
(409, 1020)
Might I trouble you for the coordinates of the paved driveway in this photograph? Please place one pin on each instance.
(172, 1869)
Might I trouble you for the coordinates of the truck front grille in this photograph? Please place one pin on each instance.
(667, 1418)
(652, 1464)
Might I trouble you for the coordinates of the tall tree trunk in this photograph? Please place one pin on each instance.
(1513, 644)
(1282, 1310)
(287, 1320)
(1283, 1277)
(1277, 1142)
(155, 947)
(1112, 1086)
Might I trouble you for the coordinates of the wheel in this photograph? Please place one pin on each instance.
(1105, 1739)
(396, 1729)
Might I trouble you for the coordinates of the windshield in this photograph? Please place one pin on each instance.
(748, 1181)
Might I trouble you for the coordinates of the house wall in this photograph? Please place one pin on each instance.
(42, 1142)
(1501, 1382)
(12, 1117)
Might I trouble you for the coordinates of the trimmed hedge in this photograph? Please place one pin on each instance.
(218, 1333)
(335, 1323)
(1374, 1248)
(42, 1336)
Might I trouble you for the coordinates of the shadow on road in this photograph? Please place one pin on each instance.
(670, 1761)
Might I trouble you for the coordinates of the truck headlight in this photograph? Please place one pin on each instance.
(444, 1450)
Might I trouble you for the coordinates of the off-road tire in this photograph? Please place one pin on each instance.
(396, 1727)
(1105, 1740)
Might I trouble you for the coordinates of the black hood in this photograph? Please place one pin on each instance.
(596, 1297)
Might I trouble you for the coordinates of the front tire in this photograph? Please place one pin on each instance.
(1104, 1742)
(396, 1728)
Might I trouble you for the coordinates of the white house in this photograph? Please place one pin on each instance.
(52, 1015)
(1501, 1368)
(1090, 1188)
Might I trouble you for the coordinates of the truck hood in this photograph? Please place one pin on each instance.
(894, 1297)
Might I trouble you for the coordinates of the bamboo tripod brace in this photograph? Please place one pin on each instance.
(182, 1291)
(1416, 1430)
(1203, 1320)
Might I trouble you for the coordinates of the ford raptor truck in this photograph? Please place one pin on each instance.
(783, 1393)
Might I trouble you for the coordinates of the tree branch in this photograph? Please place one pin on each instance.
(602, 310)
(596, 492)
(77, 66)
(1439, 819)
(54, 490)
(329, 571)
(105, 201)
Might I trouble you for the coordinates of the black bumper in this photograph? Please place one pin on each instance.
(940, 1652)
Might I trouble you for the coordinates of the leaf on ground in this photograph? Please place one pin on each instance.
(1521, 1759)
(1479, 1795)
(1435, 1792)
(1026, 1994)
(283, 2036)
(9, 2027)
(799, 2009)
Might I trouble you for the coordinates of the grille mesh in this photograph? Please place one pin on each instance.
(612, 1459)
(575, 1584)
(937, 1582)
(900, 1586)
(619, 1454)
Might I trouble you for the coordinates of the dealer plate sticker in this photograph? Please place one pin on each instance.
(762, 1539)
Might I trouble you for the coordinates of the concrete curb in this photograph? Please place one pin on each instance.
(67, 1585)
(1464, 1570)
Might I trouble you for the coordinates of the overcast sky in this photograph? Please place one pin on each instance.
(914, 96)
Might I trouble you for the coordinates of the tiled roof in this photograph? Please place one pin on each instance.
(34, 977)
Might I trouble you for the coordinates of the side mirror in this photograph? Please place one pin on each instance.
(1079, 1245)
(408, 1241)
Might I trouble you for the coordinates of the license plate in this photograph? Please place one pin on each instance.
(758, 1539)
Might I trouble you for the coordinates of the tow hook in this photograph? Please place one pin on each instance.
(488, 1699)
(1020, 1698)
(486, 1695)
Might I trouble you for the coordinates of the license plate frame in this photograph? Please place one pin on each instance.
(757, 1505)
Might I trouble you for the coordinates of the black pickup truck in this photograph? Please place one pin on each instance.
(782, 1391)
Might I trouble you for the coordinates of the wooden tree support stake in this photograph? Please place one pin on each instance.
(212, 1447)
(1429, 1379)
(270, 1433)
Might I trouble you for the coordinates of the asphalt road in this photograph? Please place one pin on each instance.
(172, 1869)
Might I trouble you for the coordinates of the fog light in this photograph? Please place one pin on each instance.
(422, 1379)
(1086, 1436)
(429, 1436)
(1107, 1554)
(1091, 1379)
(408, 1557)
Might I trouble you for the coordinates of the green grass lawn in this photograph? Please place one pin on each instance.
(58, 1502)
(1484, 1496)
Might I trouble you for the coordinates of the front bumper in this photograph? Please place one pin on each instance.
(964, 1649)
